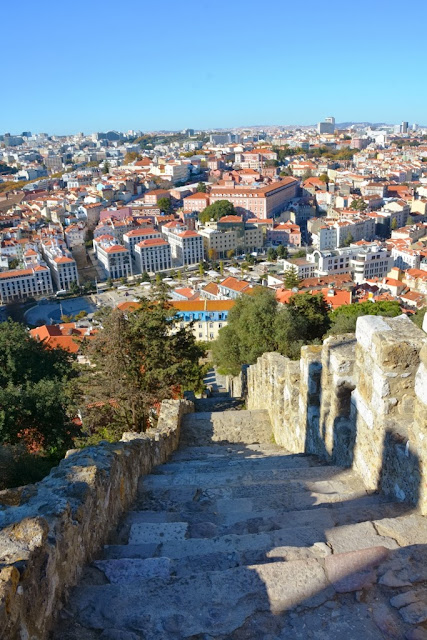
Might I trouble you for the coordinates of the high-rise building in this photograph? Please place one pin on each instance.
(327, 126)
(404, 127)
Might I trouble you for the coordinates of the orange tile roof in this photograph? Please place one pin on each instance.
(152, 242)
(188, 234)
(234, 284)
(115, 249)
(203, 305)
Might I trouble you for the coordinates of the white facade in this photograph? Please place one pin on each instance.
(186, 247)
(361, 262)
(62, 265)
(115, 259)
(22, 283)
(153, 255)
(132, 238)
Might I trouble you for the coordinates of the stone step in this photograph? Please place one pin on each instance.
(230, 517)
(205, 427)
(232, 476)
(342, 538)
(236, 455)
(293, 495)
(272, 600)
(222, 462)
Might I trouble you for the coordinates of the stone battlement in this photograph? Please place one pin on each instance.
(358, 401)
(51, 529)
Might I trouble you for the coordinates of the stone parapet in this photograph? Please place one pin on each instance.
(57, 525)
(356, 401)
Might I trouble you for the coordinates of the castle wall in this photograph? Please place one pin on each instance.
(51, 529)
(356, 401)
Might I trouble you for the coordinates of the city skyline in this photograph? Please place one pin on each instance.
(206, 67)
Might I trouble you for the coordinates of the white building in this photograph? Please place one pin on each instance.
(132, 238)
(153, 255)
(186, 247)
(304, 268)
(115, 258)
(62, 265)
(74, 235)
(365, 262)
(23, 283)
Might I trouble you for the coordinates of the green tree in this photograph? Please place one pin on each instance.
(410, 221)
(358, 204)
(249, 332)
(301, 253)
(304, 320)
(109, 282)
(201, 187)
(257, 324)
(291, 279)
(393, 225)
(271, 254)
(324, 178)
(14, 263)
(348, 240)
(201, 269)
(230, 253)
(282, 252)
(216, 211)
(343, 319)
(34, 405)
(145, 277)
(106, 168)
(74, 288)
(138, 359)
(221, 267)
(81, 314)
(164, 204)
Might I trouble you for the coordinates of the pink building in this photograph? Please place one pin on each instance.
(286, 233)
(196, 202)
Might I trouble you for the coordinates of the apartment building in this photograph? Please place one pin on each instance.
(208, 316)
(114, 258)
(262, 202)
(186, 247)
(153, 254)
(135, 236)
(285, 233)
(218, 242)
(328, 233)
(19, 284)
(362, 262)
(196, 202)
(304, 268)
(62, 265)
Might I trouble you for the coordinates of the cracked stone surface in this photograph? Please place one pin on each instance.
(243, 541)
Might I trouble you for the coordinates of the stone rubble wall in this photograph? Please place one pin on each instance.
(356, 401)
(235, 385)
(50, 530)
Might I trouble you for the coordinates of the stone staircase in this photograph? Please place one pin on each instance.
(232, 541)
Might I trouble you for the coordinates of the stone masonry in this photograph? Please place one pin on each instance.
(357, 401)
(242, 540)
(51, 529)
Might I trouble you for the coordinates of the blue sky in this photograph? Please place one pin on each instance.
(92, 65)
